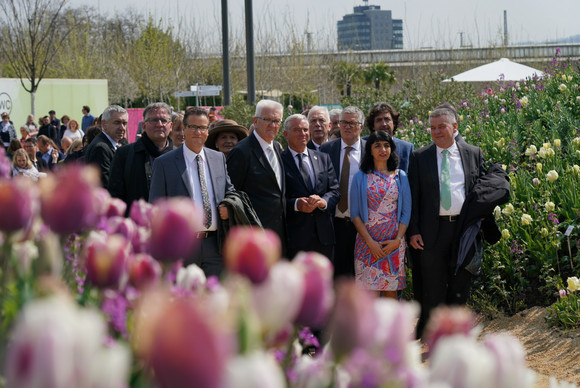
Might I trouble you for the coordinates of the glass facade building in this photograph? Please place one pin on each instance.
(370, 28)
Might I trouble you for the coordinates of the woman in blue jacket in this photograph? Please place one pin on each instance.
(380, 209)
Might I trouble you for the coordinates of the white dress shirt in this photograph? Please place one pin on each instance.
(191, 166)
(456, 178)
(265, 145)
(355, 159)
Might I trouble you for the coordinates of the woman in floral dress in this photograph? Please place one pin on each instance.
(380, 210)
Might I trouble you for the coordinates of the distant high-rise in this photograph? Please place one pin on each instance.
(369, 28)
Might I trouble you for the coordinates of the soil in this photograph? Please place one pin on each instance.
(550, 351)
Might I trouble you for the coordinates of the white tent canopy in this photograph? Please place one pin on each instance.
(501, 70)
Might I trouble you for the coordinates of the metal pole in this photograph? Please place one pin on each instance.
(225, 55)
(250, 53)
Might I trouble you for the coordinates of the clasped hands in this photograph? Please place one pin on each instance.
(380, 249)
(308, 205)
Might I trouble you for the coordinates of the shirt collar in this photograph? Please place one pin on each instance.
(191, 155)
(355, 146)
(452, 150)
(263, 142)
(294, 153)
(113, 142)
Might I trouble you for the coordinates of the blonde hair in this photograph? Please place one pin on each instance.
(72, 146)
(21, 152)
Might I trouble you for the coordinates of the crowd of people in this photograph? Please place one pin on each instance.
(371, 205)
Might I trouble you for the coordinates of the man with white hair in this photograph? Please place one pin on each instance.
(318, 126)
(255, 167)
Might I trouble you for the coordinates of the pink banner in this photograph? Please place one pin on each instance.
(135, 116)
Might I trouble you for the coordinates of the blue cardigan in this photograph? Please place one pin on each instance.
(359, 203)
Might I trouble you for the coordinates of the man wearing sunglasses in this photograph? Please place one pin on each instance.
(132, 166)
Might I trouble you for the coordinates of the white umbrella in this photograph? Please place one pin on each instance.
(501, 70)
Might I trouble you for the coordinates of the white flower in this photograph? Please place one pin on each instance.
(505, 234)
(552, 176)
(544, 232)
(254, 370)
(191, 277)
(542, 153)
(557, 143)
(573, 284)
(550, 206)
(497, 212)
(531, 150)
(526, 219)
(570, 78)
(576, 140)
(539, 166)
(576, 169)
(524, 101)
(508, 209)
(562, 88)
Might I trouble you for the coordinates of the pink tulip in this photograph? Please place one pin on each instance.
(447, 321)
(251, 252)
(318, 289)
(123, 226)
(143, 270)
(68, 199)
(354, 319)
(140, 240)
(105, 260)
(18, 204)
(141, 212)
(115, 207)
(174, 223)
(510, 362)
(178, 342)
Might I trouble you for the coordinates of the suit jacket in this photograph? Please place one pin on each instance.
(100, 153)
(170, 178)
(424, 181)
(251, 173)
(43, 166)
(302, 226)
(404, 151)
(332, 148)
(310, 145)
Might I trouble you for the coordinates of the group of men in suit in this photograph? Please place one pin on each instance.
(302, 192)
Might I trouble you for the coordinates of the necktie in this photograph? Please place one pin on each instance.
(204, 194)
(274, 163)
(445, 182)
(344, 177)
(304, 171)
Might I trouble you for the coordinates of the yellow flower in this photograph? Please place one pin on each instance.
(576, 168)
(550, 206)
(570, 78)
(576, 140)
(557, 143)
(550, 152)
(504, 167)
(508, 209)
(542, 153)
(546, 145)
(460, 117)
(524, 101)
(539, 166)
(564, 78)
(526, 219)
(573, 284)
(505, 234)
(562, 88)
(497, 212)
(544, 232)
(531, 150)
(552, 176)
(577, 154)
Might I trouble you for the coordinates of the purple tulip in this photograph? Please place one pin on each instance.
(5, 165)
(174, 223)
(318, 292)
(115, 207)
(105, 260)
(143, 270)
(123, 226)
(141, 212)
(18, 204)
(251, 252)
(68, 199)
(354, 319)
(140, 240)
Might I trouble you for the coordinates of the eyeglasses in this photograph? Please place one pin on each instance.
(155, 120)
(199, 128)
(349, 123)
(271, 121)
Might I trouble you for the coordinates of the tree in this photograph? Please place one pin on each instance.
(344, 75)
(377, 73)
(32, 34)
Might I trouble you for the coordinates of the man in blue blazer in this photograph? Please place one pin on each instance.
(343, 152)
(311, 192)
(256, 168)
(383, 117)
(181, 172)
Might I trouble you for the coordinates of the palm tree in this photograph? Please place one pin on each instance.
(377, 74)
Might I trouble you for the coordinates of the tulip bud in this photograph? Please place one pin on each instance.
(18, 204)
(354, 319)
(536, 181)
(174, 223)
(5, 165)
(140, 240)
(105, 260)
(448, 321)
(141, 212)
(123, 226)
(251, 252)
(115, 207)
(190, 278)
(319, 290)
(552, 176)
(68, 199)
(143, 270)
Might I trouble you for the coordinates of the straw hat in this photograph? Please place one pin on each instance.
(224, 125)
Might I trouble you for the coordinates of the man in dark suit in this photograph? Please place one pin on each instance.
(319, 126)
(31, 147)
(131, 168)
(383, 117)
(48, 153)
(441, 175)
(256, 168)
(200, 173)
(346, 154)
(102, 149)
(311, 192)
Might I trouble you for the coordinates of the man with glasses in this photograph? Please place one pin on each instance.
(346, 154)
(256, 168)
(200, 173)
(132, 166)
(31, 147)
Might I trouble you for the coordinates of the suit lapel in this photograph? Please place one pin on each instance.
(433, 173)
(466, 163)
(182, 170)
(214, 162)
(316, 162)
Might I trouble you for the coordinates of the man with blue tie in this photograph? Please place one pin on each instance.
(200, 173)
(311, 192)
